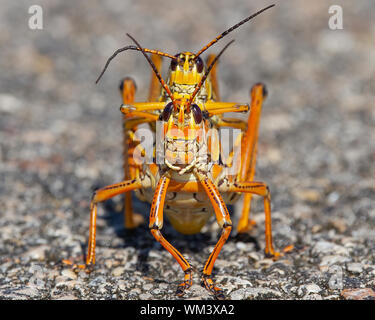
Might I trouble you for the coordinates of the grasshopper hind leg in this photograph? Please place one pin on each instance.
(156, 224)
(258, 94)
(127, 91)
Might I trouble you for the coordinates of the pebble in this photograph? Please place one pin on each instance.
(163, 286)
(69, 274)
(264, 263)
(68, 284)
(135, 291)
(197, 292)
(316, 228)
(312, 296)
(339, 224)
(108, 263)
(354, 267)
(155, 292)
(333, 259)
(301, 291)
(322, 247)
(145, 296)
(102, 290)
(38, 253)
(254, 256)
(309, 195)
(312, 288)
(28, 291)
(5, 266)
(60, 279)
(332, 198)
(118, 271)
(10, 103)
(234, 281)
(358, 294)
(241, 246)
(325, 247)
(248, 293)
(67, 297)
(148, 286)
(97, 280)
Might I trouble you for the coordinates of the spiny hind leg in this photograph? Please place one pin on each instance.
(249, 152)
(248, 144)
(223, 219)
(127, 90)
(156, 224)
(245, 223)
(100, 196)
(261, 189)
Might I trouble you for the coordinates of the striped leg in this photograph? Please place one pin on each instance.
(127, 90)
(261, 189)
(102, 195)
(223, 219)
(99, 196)
(249, 150)
(156, 223)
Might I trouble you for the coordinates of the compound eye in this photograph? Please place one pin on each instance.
(174, 62)
(166, 114)
(197, 113)
(199, 63)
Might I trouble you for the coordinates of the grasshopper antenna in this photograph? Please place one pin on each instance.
(155, 70)
(160, 53)
(197, 88)
(230, 30)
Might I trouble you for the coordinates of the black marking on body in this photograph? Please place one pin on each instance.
(125, 184)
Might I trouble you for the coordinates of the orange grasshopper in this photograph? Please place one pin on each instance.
(192, 182)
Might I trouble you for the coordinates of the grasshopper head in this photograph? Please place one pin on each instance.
(186, 69)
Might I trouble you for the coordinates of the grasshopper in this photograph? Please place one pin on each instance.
(192, 181)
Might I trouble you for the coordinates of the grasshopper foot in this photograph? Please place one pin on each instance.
(275, 255)
(210, 286)
(88, 268)
(186, 284)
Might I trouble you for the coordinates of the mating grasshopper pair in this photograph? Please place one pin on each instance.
(192, 181)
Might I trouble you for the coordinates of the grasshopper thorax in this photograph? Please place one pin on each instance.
(183, 128)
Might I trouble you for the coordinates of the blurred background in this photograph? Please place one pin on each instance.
(61, 136)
